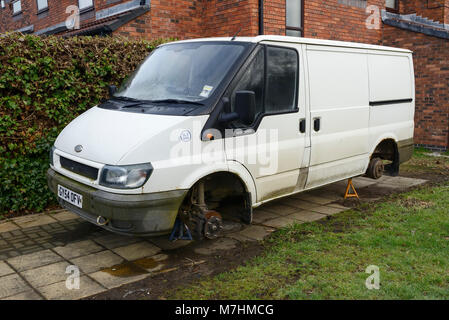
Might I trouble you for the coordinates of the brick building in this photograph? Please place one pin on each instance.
(419, 25)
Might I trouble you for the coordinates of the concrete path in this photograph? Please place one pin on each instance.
(38, 252)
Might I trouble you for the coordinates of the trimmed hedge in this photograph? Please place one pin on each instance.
(44, 84)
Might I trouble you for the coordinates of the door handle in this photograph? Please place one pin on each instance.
(302, 125)
(317, 124)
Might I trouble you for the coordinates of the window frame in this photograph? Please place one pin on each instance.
(18, 12)
(42, 9)
(86, 8)
(301, 28)
(230, 91)
(395, 9)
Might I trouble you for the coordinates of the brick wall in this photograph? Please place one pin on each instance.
(338, 20)
(56, 14)
(167, 19)
(437, 10)
(431, 59)
(226, 17)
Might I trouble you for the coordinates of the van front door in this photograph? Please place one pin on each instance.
(270, 144)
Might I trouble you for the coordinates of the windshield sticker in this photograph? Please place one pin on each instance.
(206, 91)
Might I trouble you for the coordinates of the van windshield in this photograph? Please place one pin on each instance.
(187, 72)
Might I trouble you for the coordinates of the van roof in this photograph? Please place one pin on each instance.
(302, 40)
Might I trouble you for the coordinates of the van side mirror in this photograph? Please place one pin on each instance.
(112, 90)
(245, 106)
(225, 115)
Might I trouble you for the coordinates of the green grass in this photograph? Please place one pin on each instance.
(407, 237)
(423, 163)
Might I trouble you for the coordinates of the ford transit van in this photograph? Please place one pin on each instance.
(212, 127)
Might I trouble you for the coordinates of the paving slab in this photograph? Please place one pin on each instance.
(137, 250)
(46, 275)
(34, 260)
(112, 240)
(5, 269)
(256, 232)
(27, 295)
(165, 244)
(239, 237)
(281, 222)
(8, 226)
(313, 199)
(326, 193)
(110, 281)
(307, 216)
(213, 247)
(97, 261)
(360, 182)
(299, 203)
(59, 291)
(78, 249)
(328, 210)
(278, 208)
(260, 215)
(11, 285)
(34, 220)
(338, 206)
(64, 215)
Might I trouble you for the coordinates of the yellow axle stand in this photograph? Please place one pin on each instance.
(348, 193)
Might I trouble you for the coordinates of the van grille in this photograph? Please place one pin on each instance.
(79, 168)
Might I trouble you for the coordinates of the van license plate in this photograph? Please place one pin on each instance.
(70, 196)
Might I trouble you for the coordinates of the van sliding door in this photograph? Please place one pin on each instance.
(339, 113)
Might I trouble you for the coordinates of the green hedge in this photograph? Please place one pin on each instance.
(44, 84)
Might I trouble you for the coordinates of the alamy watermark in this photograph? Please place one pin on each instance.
(373, 281)
(73, 280)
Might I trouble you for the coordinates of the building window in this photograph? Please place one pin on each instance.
(85, 5)
(16, 7)
(3, 4)
(42, 5)
(392, 5)
(294, 10)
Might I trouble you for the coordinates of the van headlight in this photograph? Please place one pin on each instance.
(125, 177)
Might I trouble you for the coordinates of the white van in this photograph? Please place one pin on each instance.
(213, 127)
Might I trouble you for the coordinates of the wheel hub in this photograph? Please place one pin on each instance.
(213, 225)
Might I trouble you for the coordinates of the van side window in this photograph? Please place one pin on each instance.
(253, 80)
(282, 75)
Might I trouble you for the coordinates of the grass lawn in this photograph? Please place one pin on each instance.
(406, 236)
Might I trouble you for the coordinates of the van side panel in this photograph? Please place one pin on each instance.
(392, 98)
(339, 97)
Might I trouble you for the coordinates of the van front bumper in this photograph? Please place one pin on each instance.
(138, 214)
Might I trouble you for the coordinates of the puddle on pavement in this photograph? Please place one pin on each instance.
(135, 268)
(149, 264)
(125, 270)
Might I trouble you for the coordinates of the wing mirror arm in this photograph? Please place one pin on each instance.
(112, 90)
(228, 117)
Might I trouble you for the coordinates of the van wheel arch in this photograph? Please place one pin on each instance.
(388, 150)
(224, 193)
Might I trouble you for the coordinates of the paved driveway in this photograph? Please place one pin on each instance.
(36, 251)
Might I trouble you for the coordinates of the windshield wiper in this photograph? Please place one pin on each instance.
(123, 98)
(136, 103)
(178, 101)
